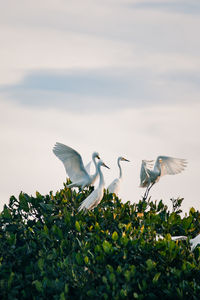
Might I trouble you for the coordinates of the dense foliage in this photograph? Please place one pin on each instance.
(50, 251)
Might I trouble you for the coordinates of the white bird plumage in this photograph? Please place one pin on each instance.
(173, 238)
(96, 196)
(114, 186)
(164, 165)
(74, 166)
(193, 242)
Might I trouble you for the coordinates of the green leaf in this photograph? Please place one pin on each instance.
(123, 293)
(66, 288)
(156, 277)
(124, 240)
(12, 274)
(38, 285)
(115, 236)
(12, 238)
(46, 229)
(127, 275)
(62, 296)
(112, 278)
(128, 227)
(86, 259)
(97, 249)
(110, 268)
(107, 246)
(168, 237)
(79, 258)
(23, 203)
(47, 207)
(41, 263)
(150, 264)
(6, 213)
(192, 210)
(119, 269)
(97, 227)
(78, 227)
(104, 279)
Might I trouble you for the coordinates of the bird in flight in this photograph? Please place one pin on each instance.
(164, 165)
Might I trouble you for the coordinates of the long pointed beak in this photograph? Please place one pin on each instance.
(98, 157)
(106, 166)
(126, 160)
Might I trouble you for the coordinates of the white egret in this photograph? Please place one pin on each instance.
(164, 165)
(173, 238)
(193, 242)
(96, 196)
(115, 184)
(74, 166)
(144, 176)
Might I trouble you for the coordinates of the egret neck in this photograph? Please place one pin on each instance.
(101, 178)
(96, 168)
(120, 168)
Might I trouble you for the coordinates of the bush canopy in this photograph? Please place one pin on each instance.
(50, 251)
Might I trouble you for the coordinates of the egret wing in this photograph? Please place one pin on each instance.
(149, 163)
(114, 186)
(173, 238)
(88, 168)
(92, 200)
(195, 241)
(179, 238)
(170, 165)
(72, 162)
(144, 174)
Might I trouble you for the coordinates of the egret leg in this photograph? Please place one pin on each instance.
(147, 191)
(145, 194)
(150, 187)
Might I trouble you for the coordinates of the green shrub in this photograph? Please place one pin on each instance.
(50, 251)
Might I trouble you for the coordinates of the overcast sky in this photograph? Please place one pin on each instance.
(121, 77)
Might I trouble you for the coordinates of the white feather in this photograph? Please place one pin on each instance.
(96, 196)
(114, 186)
(195, 241)
(164, 165)
(74, 165)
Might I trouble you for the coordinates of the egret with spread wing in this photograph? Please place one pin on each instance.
(74, 166)
(164, 165)
(96, 196)
(115, 184)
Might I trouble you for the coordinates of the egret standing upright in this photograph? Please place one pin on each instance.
(115, 184)
(96, 196)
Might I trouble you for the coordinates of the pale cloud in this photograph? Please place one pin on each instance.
(174, 6)
(83, 35)
(44, 49)
(106, 89)
(116, 76)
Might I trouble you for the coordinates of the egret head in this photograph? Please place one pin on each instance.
(101, 163)
(123, 159)
(96, 155)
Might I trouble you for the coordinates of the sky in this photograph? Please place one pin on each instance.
(121, 77)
